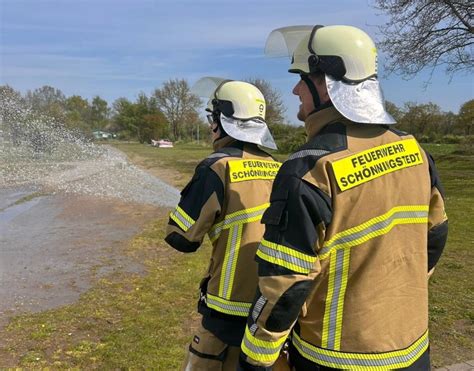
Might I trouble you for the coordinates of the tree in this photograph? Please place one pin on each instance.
(78, 112)
(421, 120)
(466, 117)
(47, 100)
(99, 113)
(427, 33)
(178, 104)
(275, 106)
(141, 119)
(396, 112)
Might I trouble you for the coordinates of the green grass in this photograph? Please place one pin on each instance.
(182, 158)
(145, 321)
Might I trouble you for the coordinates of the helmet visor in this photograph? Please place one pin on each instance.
(206, 86)
(282, 42)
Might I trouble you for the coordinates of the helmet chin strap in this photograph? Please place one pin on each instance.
(216, 115)
(312, 89)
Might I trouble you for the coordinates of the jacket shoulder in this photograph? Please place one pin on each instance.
(332, 138)
(223, 153)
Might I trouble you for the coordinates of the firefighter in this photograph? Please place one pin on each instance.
(225, 199)
(355, 226)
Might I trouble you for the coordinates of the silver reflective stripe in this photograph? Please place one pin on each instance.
(242, 217)
(347, 239)
(227, 306)
(176, 214)
(253, 329)
(217, 155)
(262, 300)
(399, 359)
(286, 258)
(308, 152)
(230, 220)
(333, 312)
(260, 350)
(232, 254)
(215, 232)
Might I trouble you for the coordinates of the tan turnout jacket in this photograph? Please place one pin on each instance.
(226, 199)
(355, 224)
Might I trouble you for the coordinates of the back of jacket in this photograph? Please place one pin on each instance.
(356, 222)
(226, 199)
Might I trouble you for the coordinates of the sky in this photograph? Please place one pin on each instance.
(119, 48)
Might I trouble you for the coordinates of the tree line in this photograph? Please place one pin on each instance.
(172, 112)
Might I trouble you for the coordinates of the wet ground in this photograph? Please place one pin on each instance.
(54, 247)
(63, 224)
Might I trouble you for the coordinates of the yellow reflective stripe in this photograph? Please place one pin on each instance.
(230, 261)
(182, 218)
(252, 214)
(338, 250)
(380, 225)
(340, 304)
(286, 257)
(235, 308)
(261, 350)
(329, 297)
(233, 267)
(362, 361)
(334, 307)
(261, 207)
(215, 231)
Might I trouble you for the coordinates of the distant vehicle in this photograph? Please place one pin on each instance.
(103, 135)
(162, 143)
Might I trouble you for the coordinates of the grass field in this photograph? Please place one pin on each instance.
(144, 321)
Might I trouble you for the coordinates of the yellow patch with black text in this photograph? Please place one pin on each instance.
(376, 162)
(251, 169)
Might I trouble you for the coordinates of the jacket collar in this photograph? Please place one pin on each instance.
(223, 142)
(319, 119)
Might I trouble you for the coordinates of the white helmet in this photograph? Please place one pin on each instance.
(348, 58)
(240, 107)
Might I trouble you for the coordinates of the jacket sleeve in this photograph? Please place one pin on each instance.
(287, 259)
(200, 204)
(437, 219)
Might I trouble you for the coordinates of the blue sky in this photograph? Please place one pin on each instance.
(119, 48)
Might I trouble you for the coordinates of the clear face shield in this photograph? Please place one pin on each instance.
(359, 101)
(253, 130)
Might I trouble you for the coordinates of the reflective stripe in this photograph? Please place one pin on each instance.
(257, 308)
(261, 350)
(338, 249)
(362, 361)
(235, 222)
(308, 152)
(285, 257)
(230, 261)
(380, 225)
(337, 283)
(234, 308)
(239, 217)
(182, 219)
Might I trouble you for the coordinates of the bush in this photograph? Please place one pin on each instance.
(292, 141)
(452, 139)
(466, 147)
